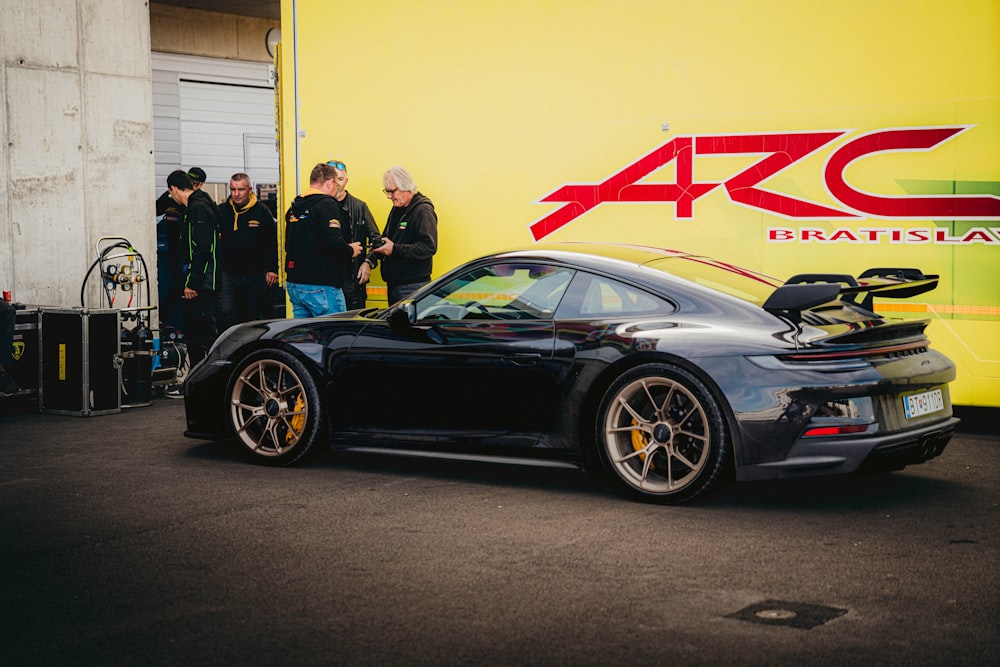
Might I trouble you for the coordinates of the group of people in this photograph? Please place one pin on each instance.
(226, 256)
(332, 243)
(223, 258)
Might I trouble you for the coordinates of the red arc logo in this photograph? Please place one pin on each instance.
(779, 151)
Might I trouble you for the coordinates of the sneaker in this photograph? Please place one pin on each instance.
(174, 391)
(7, 385)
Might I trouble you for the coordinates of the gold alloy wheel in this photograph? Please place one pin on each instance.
(269, 407)
(657, 435)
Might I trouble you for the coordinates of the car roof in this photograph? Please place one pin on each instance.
(645, 264)
(629, 253)
(629, 258)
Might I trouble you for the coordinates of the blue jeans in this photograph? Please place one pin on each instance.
(315, 300)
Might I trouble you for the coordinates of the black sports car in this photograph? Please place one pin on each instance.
(670, 371)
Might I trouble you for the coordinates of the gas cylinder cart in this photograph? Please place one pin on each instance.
(124, 278)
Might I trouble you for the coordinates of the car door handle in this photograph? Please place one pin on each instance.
(524, 358)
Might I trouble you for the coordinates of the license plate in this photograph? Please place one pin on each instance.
(917, 405)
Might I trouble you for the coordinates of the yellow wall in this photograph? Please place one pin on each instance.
(494, 104)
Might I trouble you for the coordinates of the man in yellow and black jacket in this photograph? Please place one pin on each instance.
(318, 246)
(248, 254)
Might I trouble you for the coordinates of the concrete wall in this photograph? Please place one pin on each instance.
(76, 158)
(214, 35)
(77, 151)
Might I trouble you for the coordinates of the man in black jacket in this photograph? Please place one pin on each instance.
(248, 254)
(363, 230)
(199, 233)
(318, 247)
(170, 217)
(410, 237)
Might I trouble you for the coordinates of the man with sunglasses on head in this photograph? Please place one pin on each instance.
(317, 249)
(364, 231)
(409, 237)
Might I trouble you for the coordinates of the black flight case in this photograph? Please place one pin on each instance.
(81, 361)
(24, 370)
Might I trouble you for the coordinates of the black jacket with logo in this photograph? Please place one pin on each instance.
(248, 239)
(317, 233)
(413, 232)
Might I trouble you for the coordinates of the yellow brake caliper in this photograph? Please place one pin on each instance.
(639, 442)
(298, 420)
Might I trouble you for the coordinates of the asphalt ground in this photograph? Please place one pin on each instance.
(124, 543)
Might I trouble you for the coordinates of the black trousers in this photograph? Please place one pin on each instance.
(355, 295)
(241, 298)
(397, 293)
(198, 315)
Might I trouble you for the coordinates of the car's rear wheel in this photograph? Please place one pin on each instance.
(274, 407)
(660, 433)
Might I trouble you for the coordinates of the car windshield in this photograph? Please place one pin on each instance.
(498, 291)
(726, 278)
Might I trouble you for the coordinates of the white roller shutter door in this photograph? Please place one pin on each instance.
(214, 114)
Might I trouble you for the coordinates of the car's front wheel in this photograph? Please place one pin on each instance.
(660, 433)
(274, 407)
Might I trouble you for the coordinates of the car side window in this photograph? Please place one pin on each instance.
(600, 296)
(502, 291)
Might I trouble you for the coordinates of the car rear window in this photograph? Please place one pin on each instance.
(726, 278)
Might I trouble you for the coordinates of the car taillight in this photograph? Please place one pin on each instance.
(903, 349)
(835, 430)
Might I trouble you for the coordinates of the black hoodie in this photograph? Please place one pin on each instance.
(316, 250)
(413, 232)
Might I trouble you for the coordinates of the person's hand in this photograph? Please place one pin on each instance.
(189, 293)
(271, 278)
(385, 249)
(356, 246)
(364, 273)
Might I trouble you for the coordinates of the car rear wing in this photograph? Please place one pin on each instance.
(887, 283)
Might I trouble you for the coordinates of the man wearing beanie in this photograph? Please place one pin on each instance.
(197, 176)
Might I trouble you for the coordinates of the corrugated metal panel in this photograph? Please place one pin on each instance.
(215, 121)
(213, 114)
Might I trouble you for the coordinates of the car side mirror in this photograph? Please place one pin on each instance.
(402, 317)
(403, 321)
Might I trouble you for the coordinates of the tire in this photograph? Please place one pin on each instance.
(274, 408)
(661, 435)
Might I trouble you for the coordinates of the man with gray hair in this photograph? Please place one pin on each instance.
(409, 237)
